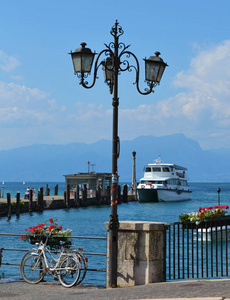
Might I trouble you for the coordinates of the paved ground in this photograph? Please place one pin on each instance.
(205, 289)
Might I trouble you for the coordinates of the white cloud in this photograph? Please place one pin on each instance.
(21, 106)
(8, 63)
(14, 94)
(200, 110)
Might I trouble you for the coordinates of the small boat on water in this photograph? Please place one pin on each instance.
(163, 182)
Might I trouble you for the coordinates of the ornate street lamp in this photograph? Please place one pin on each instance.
(115, 61)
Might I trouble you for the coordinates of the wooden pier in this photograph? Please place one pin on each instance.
(17, 205)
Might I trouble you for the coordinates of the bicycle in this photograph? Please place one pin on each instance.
(37, 263)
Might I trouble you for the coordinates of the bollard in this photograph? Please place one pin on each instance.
(8, 206)
(40, 199)
(31, 201)
(17, 204)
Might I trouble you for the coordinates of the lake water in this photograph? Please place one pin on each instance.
(90, 222)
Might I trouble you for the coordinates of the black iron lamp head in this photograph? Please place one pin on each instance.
(154, 68)
(82, 59)
(108, 68)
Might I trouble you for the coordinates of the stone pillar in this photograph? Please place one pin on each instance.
(141, 253)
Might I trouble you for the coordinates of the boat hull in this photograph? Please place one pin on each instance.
(163, 195)
(215, 233)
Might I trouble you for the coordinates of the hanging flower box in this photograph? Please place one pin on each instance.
(206, 217)
(40, 232)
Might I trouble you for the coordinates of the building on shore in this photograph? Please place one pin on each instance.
(91, 180)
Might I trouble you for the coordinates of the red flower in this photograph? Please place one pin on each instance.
(51, 220)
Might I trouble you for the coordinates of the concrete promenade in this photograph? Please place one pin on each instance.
(199, 290)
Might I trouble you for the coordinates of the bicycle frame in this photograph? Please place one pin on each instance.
(49, 265)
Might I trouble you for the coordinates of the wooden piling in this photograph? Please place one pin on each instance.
(84, 198)
(40, 199)
(9, 206)
(18, 204)
(56, 190)
(67, 195)
(31, 201)
(77, 197)
(125, 193)
(65, 198)
(98, 194)
(47, 192)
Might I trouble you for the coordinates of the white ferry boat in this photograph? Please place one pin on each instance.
(163, 182)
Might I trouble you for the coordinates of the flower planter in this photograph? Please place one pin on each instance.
(40, 232)
(53, 242)
(219, 221)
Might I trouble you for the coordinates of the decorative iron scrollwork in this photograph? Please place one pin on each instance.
(119, 65)
(113, 222)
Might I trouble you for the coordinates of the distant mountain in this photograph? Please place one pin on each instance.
(51, 162)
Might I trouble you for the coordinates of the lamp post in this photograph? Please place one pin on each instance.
(218, 191)
(116, 60)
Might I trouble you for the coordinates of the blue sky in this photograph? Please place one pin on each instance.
(41, 100)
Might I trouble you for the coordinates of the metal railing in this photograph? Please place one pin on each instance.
(198, 251)
(91, 263)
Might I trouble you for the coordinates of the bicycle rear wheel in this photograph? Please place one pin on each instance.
(69, 271)
(33, 269)
(82, 266)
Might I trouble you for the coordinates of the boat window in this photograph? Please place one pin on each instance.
(147, 169)
(184, 183)
(166, 169)
(156, 169)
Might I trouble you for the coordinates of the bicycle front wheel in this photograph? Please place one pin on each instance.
(33, 269)
(28, 253)
(69, 271)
